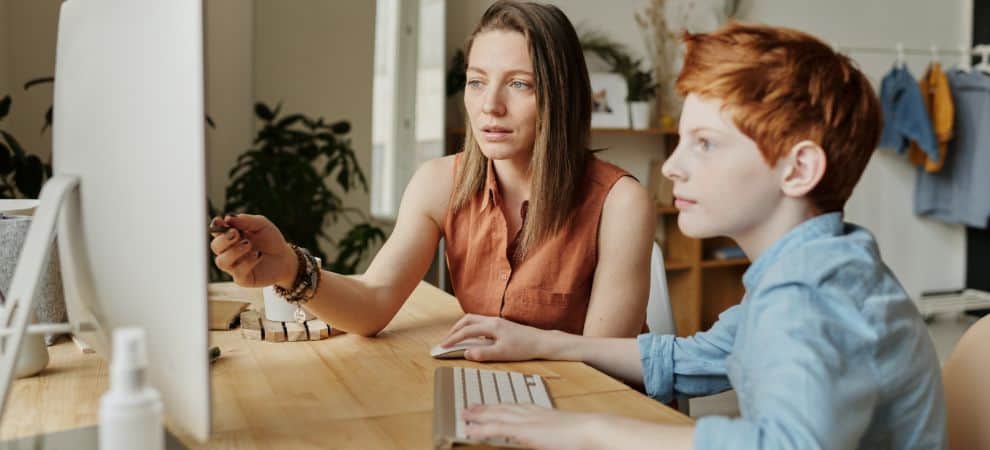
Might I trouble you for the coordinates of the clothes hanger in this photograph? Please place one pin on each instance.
(984, 51)
(901, 60)
(965, 59)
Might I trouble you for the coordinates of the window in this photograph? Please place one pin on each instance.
(408, 112)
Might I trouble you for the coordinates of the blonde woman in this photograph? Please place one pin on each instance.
(537, 230)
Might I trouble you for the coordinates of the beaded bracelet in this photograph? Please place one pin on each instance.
(306, 282)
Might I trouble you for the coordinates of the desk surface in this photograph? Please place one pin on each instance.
(343, 392)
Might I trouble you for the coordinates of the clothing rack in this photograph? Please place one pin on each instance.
(913, 50)
(965, 53)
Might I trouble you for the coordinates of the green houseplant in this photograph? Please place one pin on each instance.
(21, 174)
(287, 177)
(640, 84)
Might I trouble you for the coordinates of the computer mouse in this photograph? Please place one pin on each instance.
(457, 350)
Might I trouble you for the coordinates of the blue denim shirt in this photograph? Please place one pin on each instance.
(958, 192)
(825, 351)
(905, 117)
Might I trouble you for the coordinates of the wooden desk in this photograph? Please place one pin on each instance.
(343, 392)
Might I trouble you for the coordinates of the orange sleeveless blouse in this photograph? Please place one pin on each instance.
(551, 286)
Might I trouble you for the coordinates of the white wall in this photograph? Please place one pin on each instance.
(229, 27)
(316, 57)
(924, 254)
(4, 44)
(29, 32)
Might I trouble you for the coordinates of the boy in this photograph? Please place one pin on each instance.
(826, 350)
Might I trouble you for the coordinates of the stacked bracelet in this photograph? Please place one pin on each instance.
(307, 278)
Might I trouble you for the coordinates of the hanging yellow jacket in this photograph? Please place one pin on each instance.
(935, 92)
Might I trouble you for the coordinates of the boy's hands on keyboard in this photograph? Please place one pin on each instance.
(512, 341)
(531, 426)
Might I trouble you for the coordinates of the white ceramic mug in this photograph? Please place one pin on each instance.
(279, 310)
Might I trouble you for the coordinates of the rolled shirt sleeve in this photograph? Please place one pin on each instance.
(690, 366)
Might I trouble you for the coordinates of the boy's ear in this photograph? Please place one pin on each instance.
(805, 168)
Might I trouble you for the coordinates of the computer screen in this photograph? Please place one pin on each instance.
(129, 123)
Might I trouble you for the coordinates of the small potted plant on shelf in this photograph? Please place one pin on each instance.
(641, 87)
(642, 91)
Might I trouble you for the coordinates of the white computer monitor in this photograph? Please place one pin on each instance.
(129, 191)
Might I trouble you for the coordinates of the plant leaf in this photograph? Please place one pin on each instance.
(6, 160)
(4, 106)
(289, 121)
(48, 119)
(14, 145)
(29, 177)
(35, 81)
(263, 112)
(341, 127)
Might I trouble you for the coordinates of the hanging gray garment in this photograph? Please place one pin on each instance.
(960, 192)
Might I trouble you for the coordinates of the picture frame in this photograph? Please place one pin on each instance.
(608, 101)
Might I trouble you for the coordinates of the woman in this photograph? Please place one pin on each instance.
(538, 230)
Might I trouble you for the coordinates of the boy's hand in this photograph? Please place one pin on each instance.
(513, 342)
(532, 426)
(549, 429)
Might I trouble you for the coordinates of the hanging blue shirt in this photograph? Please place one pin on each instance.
(825, 351)
(905, 118)
(959, 192)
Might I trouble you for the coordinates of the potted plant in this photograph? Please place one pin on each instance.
(641, 88)
(21, 174)
(285, 178)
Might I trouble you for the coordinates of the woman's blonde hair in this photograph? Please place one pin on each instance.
(563, 96)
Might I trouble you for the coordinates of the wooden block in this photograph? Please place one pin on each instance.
(295, 331)
(273, 331)
(318, 329)
(223, 312)
(251, 325)
(254, 335)
(251, 320)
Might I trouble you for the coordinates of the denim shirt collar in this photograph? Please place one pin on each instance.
(829, 224)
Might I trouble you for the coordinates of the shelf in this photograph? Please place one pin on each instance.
(632, 132)
(673, 264)
(667, 210)
(709, 263)
(610, 131)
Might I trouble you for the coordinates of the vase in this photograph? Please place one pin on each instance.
(279, 310)
(639, 115)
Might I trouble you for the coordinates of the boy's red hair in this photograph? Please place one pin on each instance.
(783, 86)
